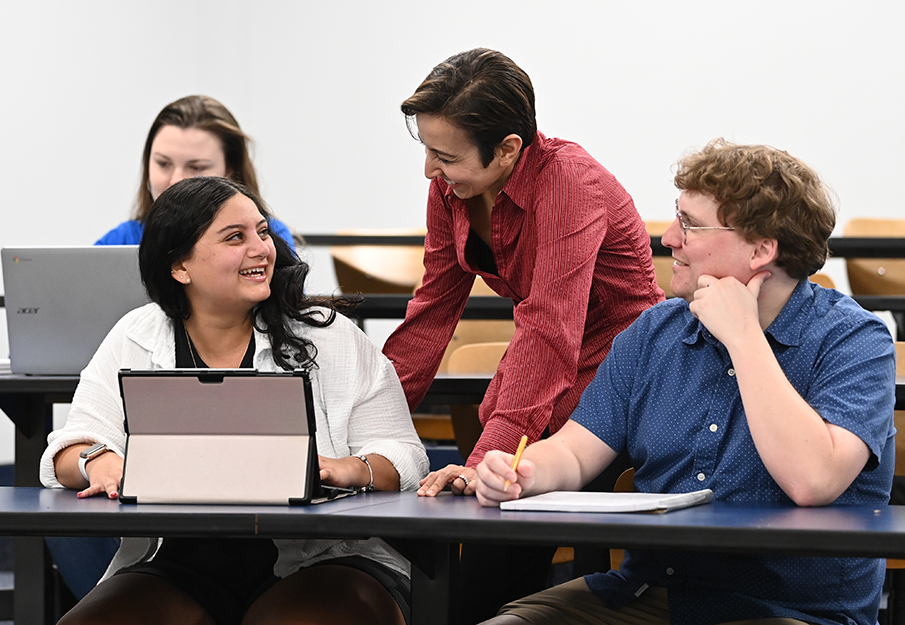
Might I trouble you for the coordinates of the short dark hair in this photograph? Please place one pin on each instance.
(204, 113)
(179, 217)
(482, 92)
(765, 192)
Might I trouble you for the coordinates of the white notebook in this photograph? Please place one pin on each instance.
(571, 501)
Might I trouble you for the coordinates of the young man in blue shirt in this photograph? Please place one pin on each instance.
(752, 382)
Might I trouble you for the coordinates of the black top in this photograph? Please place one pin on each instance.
(479, 254)
(185, 351)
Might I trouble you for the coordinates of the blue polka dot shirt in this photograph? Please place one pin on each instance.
(667, 394)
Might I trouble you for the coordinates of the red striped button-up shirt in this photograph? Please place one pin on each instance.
(573, 255)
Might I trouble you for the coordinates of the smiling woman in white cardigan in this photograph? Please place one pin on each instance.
(227, 294)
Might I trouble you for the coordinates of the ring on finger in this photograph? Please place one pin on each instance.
(464, 479)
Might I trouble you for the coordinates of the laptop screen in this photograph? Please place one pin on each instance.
(62, 301)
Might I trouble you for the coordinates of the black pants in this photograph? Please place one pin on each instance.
(492, 575)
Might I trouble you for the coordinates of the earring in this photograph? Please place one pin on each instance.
(187, 280)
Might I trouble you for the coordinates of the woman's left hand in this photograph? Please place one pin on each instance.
(461, 479)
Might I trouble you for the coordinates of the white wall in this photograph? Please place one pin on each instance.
(318, 85)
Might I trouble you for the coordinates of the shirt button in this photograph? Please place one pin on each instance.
(701, 477)
(714, 427)
(669, 570)
(731, 373)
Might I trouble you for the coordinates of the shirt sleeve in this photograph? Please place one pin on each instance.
(364, 404)
(96, 413)
(570, 222)
(852, 383)
(417, 346)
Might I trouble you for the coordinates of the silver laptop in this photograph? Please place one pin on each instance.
(62, 301)
(220, 436)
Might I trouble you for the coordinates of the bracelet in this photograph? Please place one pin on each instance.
(370, 485)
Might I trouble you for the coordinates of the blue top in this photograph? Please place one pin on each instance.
(667, 393)
(129, 233)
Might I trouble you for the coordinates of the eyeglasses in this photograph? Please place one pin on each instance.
(686, 227)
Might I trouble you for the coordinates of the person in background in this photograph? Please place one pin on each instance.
(193, 136)
(228, 294)
(542, 223)
(753, 382)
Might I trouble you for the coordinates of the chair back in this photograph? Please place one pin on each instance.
(662, 264)
(470, 331)
(876, 276)
(625, 483)
(378, 268)
(823, 280)
(472, 358)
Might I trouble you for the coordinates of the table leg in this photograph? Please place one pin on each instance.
(32, 565)
(32, 583)
(435, 580)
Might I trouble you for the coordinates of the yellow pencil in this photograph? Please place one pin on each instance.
(518, 456)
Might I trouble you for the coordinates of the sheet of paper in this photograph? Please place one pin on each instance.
(569, 501)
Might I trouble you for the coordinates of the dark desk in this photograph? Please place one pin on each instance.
(429, 530)
(850, 531)
(840, 247)
(34, 396)
(31, 399)
(392, 306)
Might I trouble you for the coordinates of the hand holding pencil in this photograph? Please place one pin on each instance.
(494, 473)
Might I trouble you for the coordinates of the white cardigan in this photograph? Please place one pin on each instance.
(359, 408)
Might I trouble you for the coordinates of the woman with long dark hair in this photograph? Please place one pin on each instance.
(227, 294)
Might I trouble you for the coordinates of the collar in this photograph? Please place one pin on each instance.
(521, 181)
(786, 329)
(154, 332)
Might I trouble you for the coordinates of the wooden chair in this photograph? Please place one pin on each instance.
(378, 268)
(624, 484)
(472, 358)
(895, 567)
(464, 427)
(662, 264)
(877, 276)
(823, 280)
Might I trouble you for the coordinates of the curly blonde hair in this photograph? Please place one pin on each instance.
(765, 193)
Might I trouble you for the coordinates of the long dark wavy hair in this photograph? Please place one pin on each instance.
(173, 226)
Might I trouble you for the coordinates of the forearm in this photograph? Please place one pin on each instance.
(385, 475)
(352, 472)
(66, 465)
(556, 467)
(812, 460)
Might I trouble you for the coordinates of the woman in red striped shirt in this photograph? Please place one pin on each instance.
(542, 223)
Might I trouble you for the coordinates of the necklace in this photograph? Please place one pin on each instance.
(191, 345)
